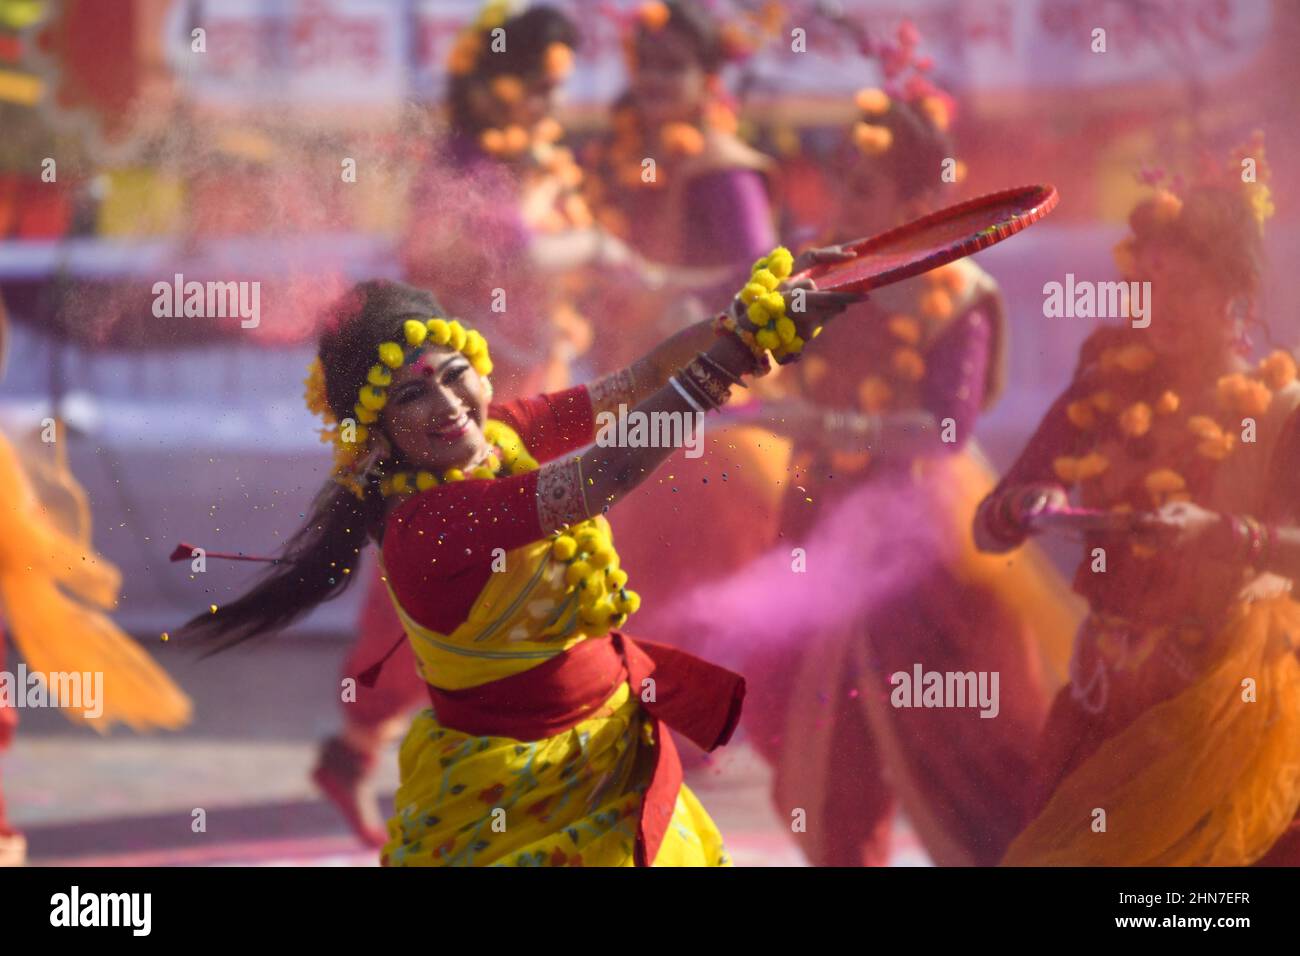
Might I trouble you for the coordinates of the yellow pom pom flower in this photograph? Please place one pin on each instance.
(774, 303)
(871, 139)
(458, 336)
(379, 376)
(1135, 421)
(373, 398)
(314, 390)
(1081, 415)
(439, 331)
(1278, 369)
(1168, 207)
(1135, 358)
(390, 353)
(415, 332)
(365, 415)
(564, 547)
(578, 571)
(872, 101)
(780, 262)
(1204, 427)
(558, 61)
(906, 328)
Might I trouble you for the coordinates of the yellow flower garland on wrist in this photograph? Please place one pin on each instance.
(765, 306)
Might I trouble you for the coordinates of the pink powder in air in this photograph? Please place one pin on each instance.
(866, 550)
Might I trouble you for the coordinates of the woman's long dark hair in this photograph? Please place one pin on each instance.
(528, 36)
(316, 564)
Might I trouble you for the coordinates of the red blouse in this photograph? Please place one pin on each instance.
(438, 546)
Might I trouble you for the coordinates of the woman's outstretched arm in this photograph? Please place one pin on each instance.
(599, 478)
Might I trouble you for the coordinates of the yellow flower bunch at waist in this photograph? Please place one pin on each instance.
(593, 572)
(765, 306)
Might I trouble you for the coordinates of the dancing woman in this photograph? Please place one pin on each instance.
(547, 741)
(1177, 740)
(504, 192)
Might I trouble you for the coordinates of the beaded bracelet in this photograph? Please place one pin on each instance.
(726, 324)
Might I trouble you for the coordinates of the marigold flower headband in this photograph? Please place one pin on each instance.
(1168, 201)
(350, 438)
(907, 80)
(464, 57)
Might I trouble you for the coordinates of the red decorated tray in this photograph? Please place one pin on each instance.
(935, 240)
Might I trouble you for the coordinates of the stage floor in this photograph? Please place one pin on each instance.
(131, 802)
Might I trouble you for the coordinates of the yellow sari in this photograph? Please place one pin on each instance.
(571, 799)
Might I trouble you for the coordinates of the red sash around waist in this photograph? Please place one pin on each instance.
(695, 698)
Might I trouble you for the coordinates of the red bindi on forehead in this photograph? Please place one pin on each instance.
(431, 361)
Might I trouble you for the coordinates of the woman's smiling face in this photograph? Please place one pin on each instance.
(436, 408)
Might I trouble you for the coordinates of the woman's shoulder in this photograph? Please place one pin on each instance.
(726, 155)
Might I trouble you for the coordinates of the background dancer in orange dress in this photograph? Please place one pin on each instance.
(55, 592)
(1177, 741)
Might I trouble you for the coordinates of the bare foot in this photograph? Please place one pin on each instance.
(13, 848)
(343, 774)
